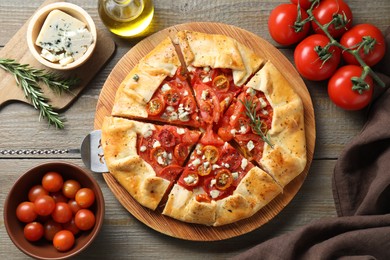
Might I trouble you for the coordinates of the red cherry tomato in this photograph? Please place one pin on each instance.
(355, 36)
(308, 63)
(70, 188)
(52, 181)
(157, 155)
(63, 240)
(281, 24)
(211, 153)
(25, 212)
(74, 206)
(155, 107)
(172, 97)
(166, 138)
(304, 4)
(59, 196)
(85, 197)
(33, 231)
(85, 219)
(181, 152)
(340, 88)
(324, 13)
(44, 205)
(71, 226)
(51, 228)
(62, 213)
(221, 83)
(224, 179)
(35, 192)
(188, 104)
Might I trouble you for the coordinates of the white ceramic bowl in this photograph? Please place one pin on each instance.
(37, 21)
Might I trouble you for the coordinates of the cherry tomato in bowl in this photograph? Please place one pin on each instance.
(340, 88)
(20, 191)
(308, 62)
(281, 24)
(354, 36)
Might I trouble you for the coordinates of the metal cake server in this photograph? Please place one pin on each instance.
(91, 152)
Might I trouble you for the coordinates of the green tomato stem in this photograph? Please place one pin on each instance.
(333, 42)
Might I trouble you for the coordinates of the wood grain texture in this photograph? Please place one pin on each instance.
(17, 49)
(122, 235)
(179, 229)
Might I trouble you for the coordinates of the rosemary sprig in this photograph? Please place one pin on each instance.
(255, 121)
(28, 79)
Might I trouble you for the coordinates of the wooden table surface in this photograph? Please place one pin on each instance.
(123, 236)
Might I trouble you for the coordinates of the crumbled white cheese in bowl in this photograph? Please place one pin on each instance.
(61, 36)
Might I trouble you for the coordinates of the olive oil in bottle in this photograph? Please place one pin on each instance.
(126, 18)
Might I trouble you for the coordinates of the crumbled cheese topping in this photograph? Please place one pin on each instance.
(263, 103)
(173, 116)
(180, 131)
(205, 94)
(215, 166)
(244, 163)
(250, 145)
(206, 79)
(243, 129)
(156, 144)
(196, 162)
(170, 109)
(148, 133)
(189, 179)
(190, 68)
(165, 87)
(251, 91)
(214, 194)
(142, 148)
(235, 175)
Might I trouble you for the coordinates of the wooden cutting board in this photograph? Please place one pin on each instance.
(17, 49)
(179, 229)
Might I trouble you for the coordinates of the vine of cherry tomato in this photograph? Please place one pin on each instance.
(325, 12)
(57, 210)
(355, 35)
(340, 88)
(309, 64)
(321, 55)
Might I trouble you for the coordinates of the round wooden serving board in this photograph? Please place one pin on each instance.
(178, 229)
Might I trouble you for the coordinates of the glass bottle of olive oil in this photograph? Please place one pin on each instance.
(126, 18)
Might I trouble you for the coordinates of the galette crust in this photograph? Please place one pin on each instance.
(255, 191)
(133, 95)
(219, 51)
(287, 159)
(119, 141)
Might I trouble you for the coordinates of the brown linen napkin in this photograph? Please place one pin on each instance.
(361, 190)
